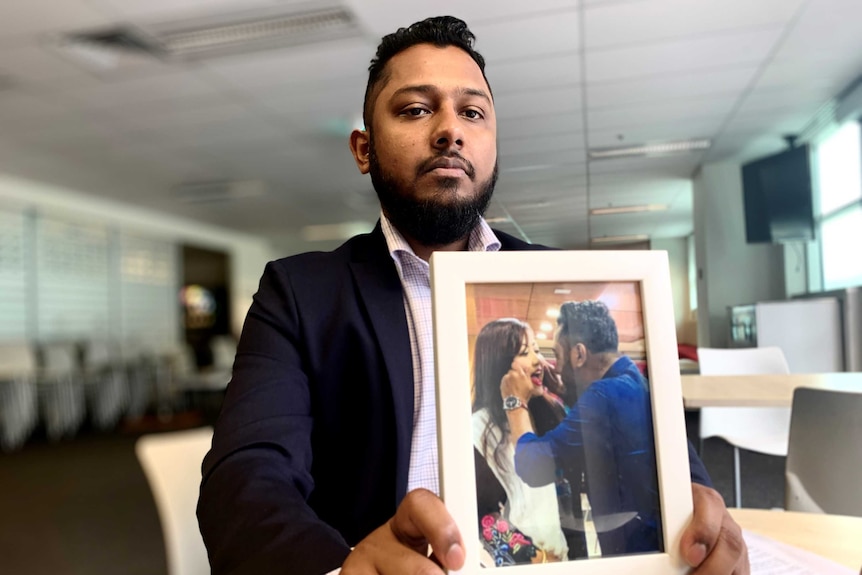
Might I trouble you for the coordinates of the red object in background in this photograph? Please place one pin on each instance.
(687, 351)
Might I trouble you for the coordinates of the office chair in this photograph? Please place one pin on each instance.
(172, 464)
(761, 429)
(824, 457)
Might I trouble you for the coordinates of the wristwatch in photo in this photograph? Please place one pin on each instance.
(511, 402)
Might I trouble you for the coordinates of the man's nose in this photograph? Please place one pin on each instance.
(448, 132)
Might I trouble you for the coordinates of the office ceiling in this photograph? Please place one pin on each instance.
(566, 77)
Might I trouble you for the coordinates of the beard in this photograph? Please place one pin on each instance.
(433, 221)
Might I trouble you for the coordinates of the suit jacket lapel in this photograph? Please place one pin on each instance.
(381, 292)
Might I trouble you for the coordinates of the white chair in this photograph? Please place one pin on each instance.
(172, 464)
(761, 429)
(824, 457)
(18, 398)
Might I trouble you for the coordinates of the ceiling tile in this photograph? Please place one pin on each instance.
(510, 126)
(23, 18)
(534, 74)
(670, 111)
(186, 84)
(825, 31)
(630, 23)
(536, 34)
(33, 64)
(681, 56)
(650, 133)
(298, 66)
(563, 100)
(540, 144)
(669, 87)
(381, 17)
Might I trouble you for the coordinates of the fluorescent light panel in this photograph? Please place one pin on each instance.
(620, 239)
(628, 209)
(288, 27)
(676, 147)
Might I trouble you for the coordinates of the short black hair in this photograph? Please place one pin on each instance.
(589, 323)
(441, 31)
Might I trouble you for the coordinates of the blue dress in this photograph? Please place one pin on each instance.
(607, 438)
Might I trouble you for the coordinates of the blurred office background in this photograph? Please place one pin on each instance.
(155, 154)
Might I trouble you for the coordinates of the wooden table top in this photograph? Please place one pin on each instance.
(759, 390)
(836, 537)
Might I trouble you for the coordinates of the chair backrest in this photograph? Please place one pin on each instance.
(172, 464)
(824, 457)
(17, 360)
(744, 361)
(762, 429)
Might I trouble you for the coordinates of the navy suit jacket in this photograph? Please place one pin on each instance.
(312, 446)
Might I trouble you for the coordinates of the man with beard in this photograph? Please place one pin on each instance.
(607, 435)
(327, 436)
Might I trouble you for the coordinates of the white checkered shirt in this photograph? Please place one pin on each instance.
(416, 280)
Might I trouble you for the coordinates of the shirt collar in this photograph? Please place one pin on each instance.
(482, 239)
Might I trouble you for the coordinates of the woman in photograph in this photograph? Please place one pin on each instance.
(525, 525)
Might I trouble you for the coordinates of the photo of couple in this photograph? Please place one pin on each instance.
(562, 422)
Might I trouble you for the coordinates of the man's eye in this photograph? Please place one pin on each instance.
(473, 114)
(415, 112)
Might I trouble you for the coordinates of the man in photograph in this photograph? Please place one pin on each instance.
(325, 452)
(606, 437)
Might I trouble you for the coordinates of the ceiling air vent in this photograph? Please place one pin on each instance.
(219, 191)
(218, 36)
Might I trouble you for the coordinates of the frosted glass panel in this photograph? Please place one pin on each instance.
(72, 280)
(839, 168)
(841, 237)
(13, 276)
(148, 292)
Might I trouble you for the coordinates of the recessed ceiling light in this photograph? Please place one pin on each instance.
(332, 232)
(636, 150)
(541, 335)
(546, 326)
(619, 239)
(628, 209)
(534, 168)
(230, 33)
(562, 291)
(553, 312)
(219, 191)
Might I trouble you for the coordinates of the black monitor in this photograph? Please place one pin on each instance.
(777, 196)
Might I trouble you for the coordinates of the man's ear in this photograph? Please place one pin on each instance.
(360, 147)
(578, 355)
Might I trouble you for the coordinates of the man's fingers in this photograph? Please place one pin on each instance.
(701, 535)
(422, 517)
(381, 553)
(729, 556)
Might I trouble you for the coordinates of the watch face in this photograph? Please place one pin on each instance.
(511, 402)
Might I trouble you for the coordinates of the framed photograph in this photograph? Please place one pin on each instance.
(561, 431)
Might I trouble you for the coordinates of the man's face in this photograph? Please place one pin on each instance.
(564, 366)
(433, 144)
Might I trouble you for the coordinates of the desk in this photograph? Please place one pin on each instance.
(835, 537)
(759, 390)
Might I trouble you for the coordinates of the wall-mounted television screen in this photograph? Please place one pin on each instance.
(777, 197)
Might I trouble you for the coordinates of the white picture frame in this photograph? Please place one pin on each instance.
(451, 274)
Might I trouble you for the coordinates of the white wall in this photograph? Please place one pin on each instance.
(248, 253)
(795, 268)
(730, 271)
(677, 253)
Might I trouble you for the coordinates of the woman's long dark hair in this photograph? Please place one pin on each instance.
(497, 345)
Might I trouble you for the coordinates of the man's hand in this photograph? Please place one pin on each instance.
(712, 543)
(401, 545)
(517, 382)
